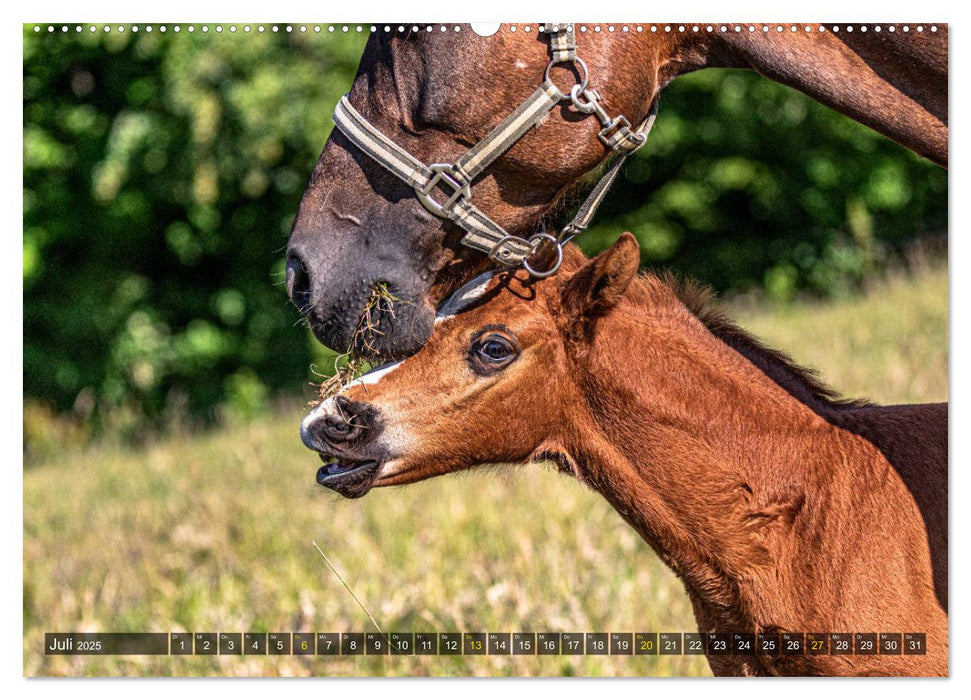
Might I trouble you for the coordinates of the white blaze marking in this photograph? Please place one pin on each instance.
(395, 438)
(374, 376)
(464, 296)
(322, 410)
(329, 406)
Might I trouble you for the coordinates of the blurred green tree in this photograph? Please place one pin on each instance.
(161, 175)
(162, 172)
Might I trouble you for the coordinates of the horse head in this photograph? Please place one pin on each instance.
(362, 234)
(359, 228)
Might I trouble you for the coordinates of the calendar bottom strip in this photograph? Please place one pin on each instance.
(483, 643)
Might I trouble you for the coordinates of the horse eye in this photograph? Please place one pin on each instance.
(492, 352)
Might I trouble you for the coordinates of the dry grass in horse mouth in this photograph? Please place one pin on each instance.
(381, 302)
(350, 365)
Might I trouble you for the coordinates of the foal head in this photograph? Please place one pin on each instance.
(495, 382)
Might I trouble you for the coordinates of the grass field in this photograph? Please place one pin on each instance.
(214, 533)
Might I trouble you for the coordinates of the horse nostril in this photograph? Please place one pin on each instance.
(298, 282)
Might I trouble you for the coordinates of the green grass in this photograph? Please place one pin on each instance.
(888, 345)
(215, 532)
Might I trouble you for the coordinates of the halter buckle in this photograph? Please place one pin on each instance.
(579, 65)
(448, 176)
(500, 253)
(617, 135)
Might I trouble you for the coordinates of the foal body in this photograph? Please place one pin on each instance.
(774, 518)
(780, 508)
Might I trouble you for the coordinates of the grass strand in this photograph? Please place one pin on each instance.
(341, 579)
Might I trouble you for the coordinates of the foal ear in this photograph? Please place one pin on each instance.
(595, 288)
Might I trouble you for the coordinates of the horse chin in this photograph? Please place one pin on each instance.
(349, 479)
(397, 334)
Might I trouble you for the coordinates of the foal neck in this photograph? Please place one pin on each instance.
(680, 432)
(750, 494)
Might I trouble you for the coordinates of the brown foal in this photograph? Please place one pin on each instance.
(778, 506)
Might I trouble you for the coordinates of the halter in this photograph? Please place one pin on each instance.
(444, 188)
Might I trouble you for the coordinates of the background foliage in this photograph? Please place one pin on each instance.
(748, 184)
(162, 173)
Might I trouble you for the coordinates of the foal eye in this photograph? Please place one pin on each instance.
(495, 349)
(491, 352)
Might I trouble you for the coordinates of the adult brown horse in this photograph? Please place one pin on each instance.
(781, 508)
(436, 93)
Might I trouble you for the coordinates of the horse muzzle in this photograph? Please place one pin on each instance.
(368, 316)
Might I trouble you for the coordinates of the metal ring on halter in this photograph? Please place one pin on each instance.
(536, 240)
(584, 75)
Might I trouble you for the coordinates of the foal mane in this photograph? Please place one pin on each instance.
(802, 383)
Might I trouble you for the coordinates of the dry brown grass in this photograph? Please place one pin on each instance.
(352, 363)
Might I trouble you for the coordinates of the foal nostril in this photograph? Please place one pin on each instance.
(337, 429)
(345, 425)
(298, 282)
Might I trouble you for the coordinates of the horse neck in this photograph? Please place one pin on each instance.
(895, 83)
(719, 468)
